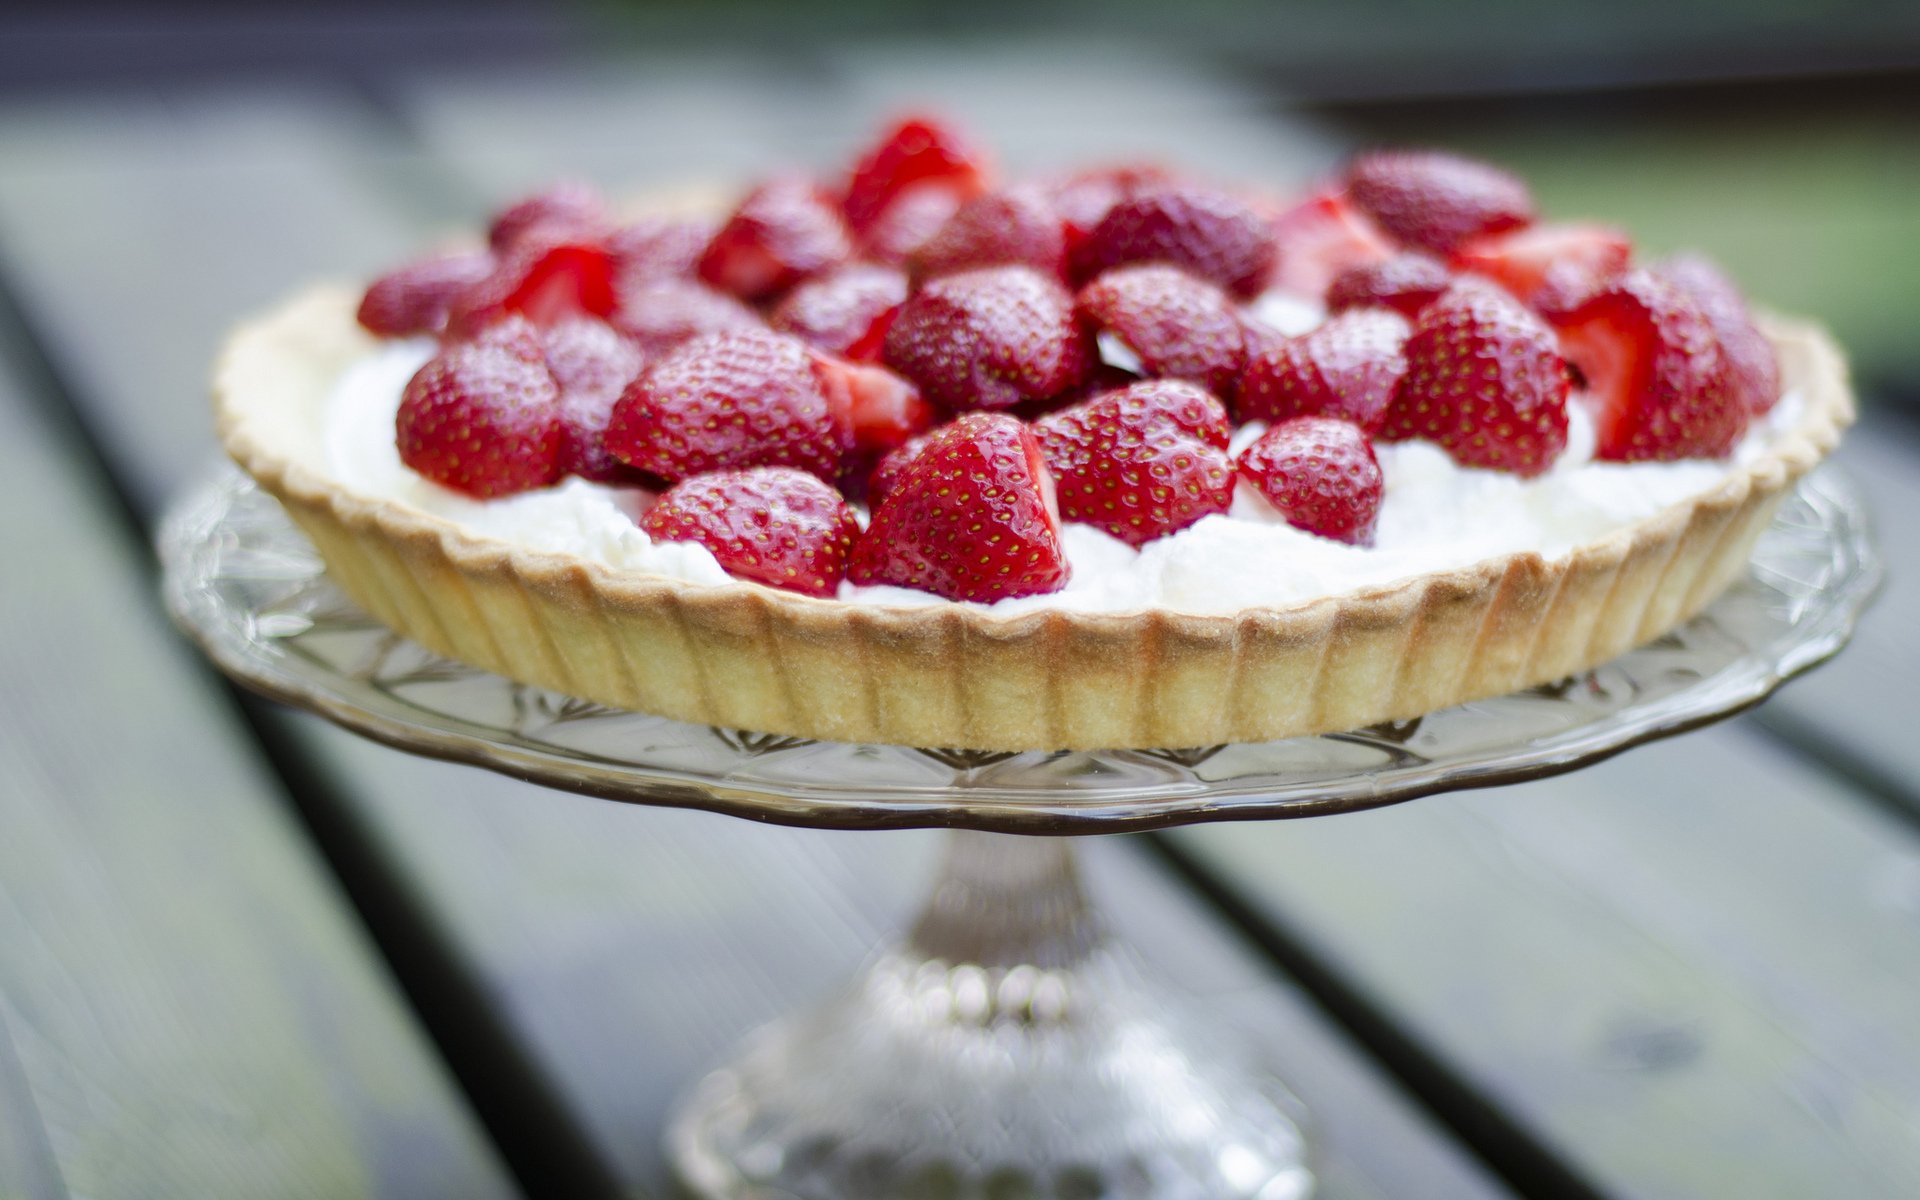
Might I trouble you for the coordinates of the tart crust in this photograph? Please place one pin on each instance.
(752, 657)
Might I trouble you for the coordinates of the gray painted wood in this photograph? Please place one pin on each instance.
(187, 1006)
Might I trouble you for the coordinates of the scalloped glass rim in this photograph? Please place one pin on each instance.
(249, 588)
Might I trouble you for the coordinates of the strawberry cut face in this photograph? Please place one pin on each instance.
(918, 151)
(1569, 258)
(544, 279)
(1320, 237)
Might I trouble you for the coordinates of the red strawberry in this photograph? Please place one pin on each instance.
(1209, 233)
(904, 226)
(972, 517)
(1434, 201)
(656, 247)
(417, 297)
(1566, 257)
(568, 209)
(893, 464)
(1015, 226)
(1321, 473)
(483, 416)
(990, 338)
(1654, 373)
(1178, 326)
(1406, 283)
(661, 313)
(1140, 462)
(1750, 358)
(546, 276)
(882, 409)
(785, 230)
(844, 312)
(592, 364)
(1484, 379)
(1318, 238)
(918, 150)
(773, 525)
(1082, 200)
(1347, 368)
(729, 400)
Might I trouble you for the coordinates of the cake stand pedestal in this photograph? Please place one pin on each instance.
(1009, 1047)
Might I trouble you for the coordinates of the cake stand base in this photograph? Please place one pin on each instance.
(1010, 1049)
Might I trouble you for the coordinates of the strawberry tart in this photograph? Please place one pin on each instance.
(1115, 457)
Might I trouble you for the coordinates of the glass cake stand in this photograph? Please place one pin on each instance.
(1009, 1047)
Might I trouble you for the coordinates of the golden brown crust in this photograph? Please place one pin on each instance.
(752, 657)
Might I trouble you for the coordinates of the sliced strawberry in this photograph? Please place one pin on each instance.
(1318, 238)
(972, 517)
(546, 276)
(909, 219)
(1655, 376)
(1433, 201)
(568, 209)
(1321, 474)
(990, 338)
(1485, 380)
(1206, 232)
(417, 297)
(1177, 326)
(1406, 283)
(483, 416)
(1347, 368)
(592, 363)
(918, 150)
(661, 313)
(772, 525)
(1567, 256)
(729, 400)
(881, 408)
(1015, 226)
(785, 230)
(1140, 462)
(1751, 361)
(658, 247)
(846, 311)
(1082, 200)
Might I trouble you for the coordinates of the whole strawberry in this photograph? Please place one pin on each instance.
(990, 339)
(1347, 367)
(1654, 373)
(1434, 201)
(1751, 362)
(892, 465)
(417, 297)
(569, 208)
(785, 230)
(662, 312)
(483, 416)
(972, 517)
(1015, 226)
(1485, 380)
(1406, 283)
(1208, 233)
(1177, 326)
(729, 400)
(846, 311)
(1140, 462)
(916, 152)
(772, 525)
(591, 364)
(1322, 476)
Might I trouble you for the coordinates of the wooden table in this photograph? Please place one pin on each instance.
(243, 954)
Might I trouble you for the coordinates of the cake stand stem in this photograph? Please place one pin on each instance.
(1009, 1048)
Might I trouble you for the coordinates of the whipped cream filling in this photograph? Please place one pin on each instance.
(1436, 515)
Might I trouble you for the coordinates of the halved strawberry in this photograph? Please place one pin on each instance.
(1140, 462)
(1406, 283)
(846, 311)
(1655, 376)
(592, 363)
(1209, 233)
(729, 400)
(1347, 367)
(909, 219)
(1015, 226)
(1434, 201)
(416, 297)
(990, 339)
(483, 416)
(1485, 380)
(772, 525)
(1318, 238)
(1321, 474)
(785, 230)
(660, 313)
(568, 209)
(1083, 199)
(918, 150)
(882, 409)
(1751, 361)
(1566, 256)
(544, 277)
(1177, 326)
(972, 517)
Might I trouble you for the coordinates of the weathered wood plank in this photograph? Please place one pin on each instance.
(187, 1008)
